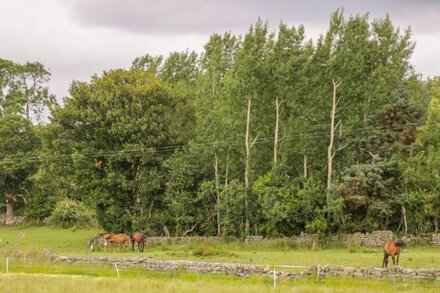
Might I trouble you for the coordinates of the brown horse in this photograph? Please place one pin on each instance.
(119, 239)
(137, 237)
(392, 248)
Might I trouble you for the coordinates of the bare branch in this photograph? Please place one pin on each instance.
(342, 147)
(22, 197)
(190, 230)
(337, 124)
(255, 140)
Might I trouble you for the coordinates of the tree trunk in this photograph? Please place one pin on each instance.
(277, 121)
(217, 191)
(305, 166)
(227, 171)
(405, 224)
(330, 152)
(10, 201)
(248, 161)
(9, 213)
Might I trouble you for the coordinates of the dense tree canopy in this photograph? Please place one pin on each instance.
(266, 133)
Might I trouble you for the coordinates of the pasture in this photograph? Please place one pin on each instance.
(74, 242)
(38, 241)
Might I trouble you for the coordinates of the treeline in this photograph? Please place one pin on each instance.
(267, 133)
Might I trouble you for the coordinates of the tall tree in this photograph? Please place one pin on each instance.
(17, 161)
(120, 127)
(24, 89)
(249, 72)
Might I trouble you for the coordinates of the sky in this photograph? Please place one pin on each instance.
(76, 39)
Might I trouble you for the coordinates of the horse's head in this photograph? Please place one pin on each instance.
(401, 243)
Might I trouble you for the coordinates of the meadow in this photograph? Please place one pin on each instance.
(34, 271)
(67, 242)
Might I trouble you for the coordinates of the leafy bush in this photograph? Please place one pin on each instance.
(69, 213)
(205, 250)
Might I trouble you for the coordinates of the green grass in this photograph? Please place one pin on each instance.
(35, 274)
(73, 242)
(151, 282)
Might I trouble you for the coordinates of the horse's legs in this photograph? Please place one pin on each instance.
(385, 260)
(394, 260)
(141, 246)
(132, 245)
(398, 259)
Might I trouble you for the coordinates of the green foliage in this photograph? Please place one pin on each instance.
(23, 89)
(71, 213)
(232, 209)
(113, 132)
(17, 164)
(234, 141)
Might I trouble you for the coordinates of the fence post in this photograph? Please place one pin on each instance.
(274, 277)
(117, 271)
(7, 264)
(394, 280)
(197, 273)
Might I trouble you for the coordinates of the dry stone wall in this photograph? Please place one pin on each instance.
(246, 270)
(373, 239)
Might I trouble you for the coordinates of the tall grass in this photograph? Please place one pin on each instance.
(184, 283)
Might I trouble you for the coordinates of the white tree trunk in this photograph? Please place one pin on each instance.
(305, 166)
(330, 151)
(217, 191)
(277, 121)
(248, 161)
(227, 171)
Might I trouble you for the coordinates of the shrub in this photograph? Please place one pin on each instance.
(205, 250)
(354, 244)
(69, 213)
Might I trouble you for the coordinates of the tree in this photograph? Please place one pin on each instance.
(24, 90)
(149, 64)
(119, 128)
(421, 198)
(249, 70)
(17, 161)
(211, 108)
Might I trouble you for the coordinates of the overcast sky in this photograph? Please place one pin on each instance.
(78, 38)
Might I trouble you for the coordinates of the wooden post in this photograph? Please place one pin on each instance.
(117, 271)
(274, 278)
(7, 264)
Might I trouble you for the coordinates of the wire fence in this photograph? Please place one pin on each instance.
(116, 268)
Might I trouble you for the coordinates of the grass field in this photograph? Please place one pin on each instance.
(73, 242)
(35, 274)
(185, 283)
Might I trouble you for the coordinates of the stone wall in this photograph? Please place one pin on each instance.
(435, 239)
(373, 239)
(246, 270)
(179, 240)
(16, 220)
(237, 269)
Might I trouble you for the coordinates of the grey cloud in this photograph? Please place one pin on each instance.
(207, 16)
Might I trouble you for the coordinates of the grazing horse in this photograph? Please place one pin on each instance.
(392, 248)
(95, 241)
(120, 239)
(137, 237)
